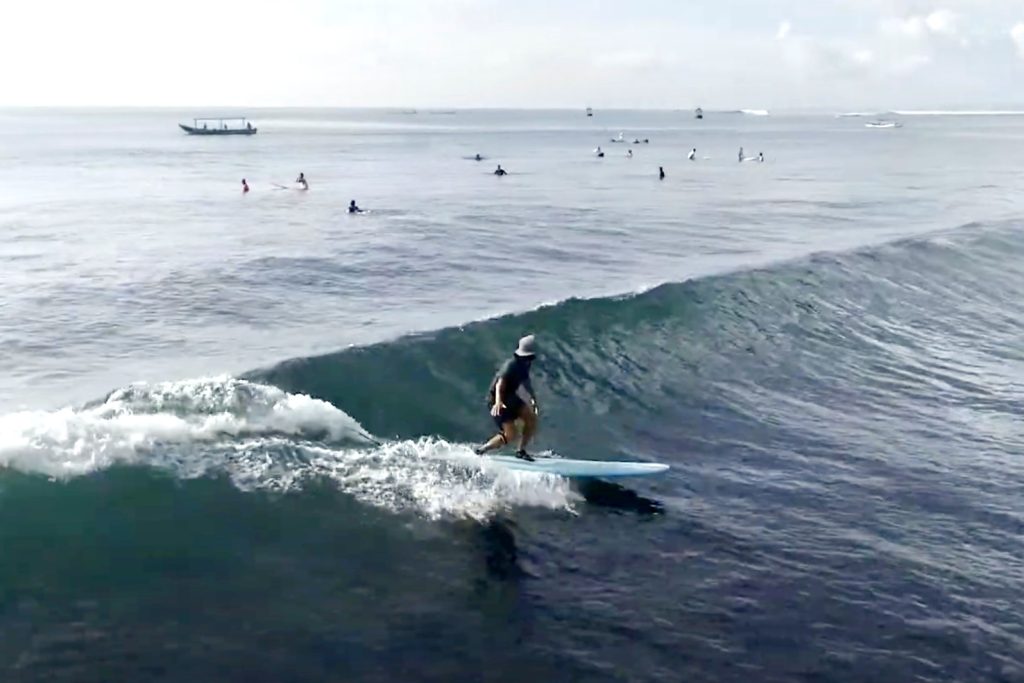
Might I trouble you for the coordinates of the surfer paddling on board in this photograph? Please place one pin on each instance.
(506, 404)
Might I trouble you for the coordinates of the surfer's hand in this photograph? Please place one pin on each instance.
(496, 409)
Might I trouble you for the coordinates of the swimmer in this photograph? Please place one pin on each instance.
(500, 171)
(301, 180)
(352, 208)
(245, 186)
(692, 155)
(661, 173)
(629, 154)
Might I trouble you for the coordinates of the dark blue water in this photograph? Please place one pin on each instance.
(835, 376)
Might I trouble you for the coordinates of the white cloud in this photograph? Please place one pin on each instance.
(863, 56)
(1017, 34)
(783, 31)
(942, 22)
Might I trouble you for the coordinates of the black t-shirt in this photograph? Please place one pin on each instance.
(516, 373)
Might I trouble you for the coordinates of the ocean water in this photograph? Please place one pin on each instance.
(235, 431)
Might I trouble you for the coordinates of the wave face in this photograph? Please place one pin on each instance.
(848, 344)
(845, 437)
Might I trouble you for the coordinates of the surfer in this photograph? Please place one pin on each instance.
(692, 155)
(478, 158)
(598, 152)
(740, 155)
(508, 406)
(661, 173)
(301, 180)
(352, 208)
(629, 154)
(245, 186)
(500, 171)
(760, 157)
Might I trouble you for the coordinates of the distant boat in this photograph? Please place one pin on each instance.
(883, 124)
(219, 126)
(698, 113)
(590, 112)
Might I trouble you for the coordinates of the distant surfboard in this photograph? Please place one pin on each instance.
(565, 467)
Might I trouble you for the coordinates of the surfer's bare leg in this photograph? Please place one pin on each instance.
(505, 436)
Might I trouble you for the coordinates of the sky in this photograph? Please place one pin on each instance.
(673, 54)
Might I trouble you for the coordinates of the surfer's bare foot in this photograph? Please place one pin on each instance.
(523, 455)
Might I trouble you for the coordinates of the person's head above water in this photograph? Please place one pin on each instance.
(352, 203)
(527, 348)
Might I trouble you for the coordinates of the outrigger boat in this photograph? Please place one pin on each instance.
(219, 126)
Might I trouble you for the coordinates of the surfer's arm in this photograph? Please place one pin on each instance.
(498, 403)
(528, 385)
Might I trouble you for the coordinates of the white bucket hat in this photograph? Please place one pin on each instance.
(527, 347)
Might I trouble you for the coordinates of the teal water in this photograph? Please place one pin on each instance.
(236, 431)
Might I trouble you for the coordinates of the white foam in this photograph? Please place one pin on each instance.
(263, 438)
(131, 421)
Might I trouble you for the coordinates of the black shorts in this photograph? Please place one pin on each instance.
(510, 413)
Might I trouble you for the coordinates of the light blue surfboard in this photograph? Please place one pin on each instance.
(580, 468)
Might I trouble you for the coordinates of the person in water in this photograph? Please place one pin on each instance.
(508, 406)
(500, 171)
(478, 158)
(352, 208)
(740, 155)
(245, 186)
(629, 154)
(760, 157)
(301, 180)
(692, 155)
(661, 173)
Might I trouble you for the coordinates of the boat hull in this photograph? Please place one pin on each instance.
(192, 130)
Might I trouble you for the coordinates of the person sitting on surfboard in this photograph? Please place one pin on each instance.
(245, 186)
(500, 171)
(352, 208)
(507, 405)
(301, 180)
